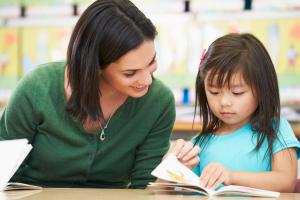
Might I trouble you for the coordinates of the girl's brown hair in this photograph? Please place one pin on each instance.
(225, 57)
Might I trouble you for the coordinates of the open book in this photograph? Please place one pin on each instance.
(12, 154)
(180, 178)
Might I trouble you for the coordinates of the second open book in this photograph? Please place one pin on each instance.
(12, 154)
(181, 178)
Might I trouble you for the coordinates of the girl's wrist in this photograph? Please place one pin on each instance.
(230, 178)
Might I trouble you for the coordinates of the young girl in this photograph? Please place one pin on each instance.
(244, 141)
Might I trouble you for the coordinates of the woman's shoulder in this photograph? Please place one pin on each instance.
(43, 74)
(158, 89)
(159, 97)
(47, 70)
(41, 79)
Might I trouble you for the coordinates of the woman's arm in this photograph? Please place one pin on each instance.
(150, 153)
(19, 119)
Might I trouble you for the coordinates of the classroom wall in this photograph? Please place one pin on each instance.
(25, 43)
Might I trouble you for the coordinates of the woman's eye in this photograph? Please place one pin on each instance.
(130, 75)
(153, 62)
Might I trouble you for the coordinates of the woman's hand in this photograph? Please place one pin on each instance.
(213, 175)
(186, 152)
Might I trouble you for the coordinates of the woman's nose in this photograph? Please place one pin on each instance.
(146, 78)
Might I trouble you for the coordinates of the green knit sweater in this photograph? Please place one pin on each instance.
(65, 155)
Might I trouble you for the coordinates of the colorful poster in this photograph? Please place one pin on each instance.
(41, 45)
(180, 44)
(9, 57)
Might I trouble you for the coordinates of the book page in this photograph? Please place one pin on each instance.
(20, 194)
(170, 169)
(12, 154)
(21, 186)
(246, 191)
(178, 187)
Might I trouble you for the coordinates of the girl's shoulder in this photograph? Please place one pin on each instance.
(286, 137)
(285, 128)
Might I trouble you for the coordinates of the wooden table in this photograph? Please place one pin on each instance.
(116, 194)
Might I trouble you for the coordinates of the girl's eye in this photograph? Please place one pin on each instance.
(213, 92)
(238, 93)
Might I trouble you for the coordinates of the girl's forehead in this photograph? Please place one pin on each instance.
(232, 80)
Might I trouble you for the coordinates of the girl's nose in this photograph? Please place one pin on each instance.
(226, 100)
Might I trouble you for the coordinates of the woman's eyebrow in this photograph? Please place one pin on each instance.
(152, 60)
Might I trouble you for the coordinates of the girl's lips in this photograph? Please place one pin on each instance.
(227, 114)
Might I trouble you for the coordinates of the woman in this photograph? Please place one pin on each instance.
(99, 119)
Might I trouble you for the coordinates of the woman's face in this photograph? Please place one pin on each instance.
(132, 73)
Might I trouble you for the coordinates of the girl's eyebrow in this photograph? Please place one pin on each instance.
(231, 85)
(212, 85)
(132, 70)
(237, 85)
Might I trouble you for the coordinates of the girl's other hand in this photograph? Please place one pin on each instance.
(186, 152)
(213, 175)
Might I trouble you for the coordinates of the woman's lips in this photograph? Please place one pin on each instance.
(140, 88)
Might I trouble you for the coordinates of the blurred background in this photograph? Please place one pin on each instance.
(37, 31)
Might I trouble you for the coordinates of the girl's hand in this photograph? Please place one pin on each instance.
(186, 152)
(213, 175)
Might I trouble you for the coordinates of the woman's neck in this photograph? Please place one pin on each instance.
(110, 99)
(109, 93)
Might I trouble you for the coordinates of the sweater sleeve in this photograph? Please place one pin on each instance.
(19, 117)
(151, 151)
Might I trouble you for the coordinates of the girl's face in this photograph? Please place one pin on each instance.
(131, 75)
(233, 105)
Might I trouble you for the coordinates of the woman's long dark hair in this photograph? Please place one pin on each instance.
(106, 30)
(243, 53)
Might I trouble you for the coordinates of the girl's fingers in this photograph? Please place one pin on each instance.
(219, 181)
(192, 153)
(192, 162)
(177, 147)
(187, 147)
(214, 177)
(205, 175)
